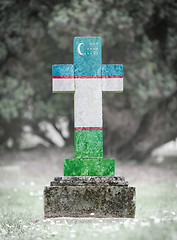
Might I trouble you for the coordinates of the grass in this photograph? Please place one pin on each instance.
(21, 216)
(21, 202)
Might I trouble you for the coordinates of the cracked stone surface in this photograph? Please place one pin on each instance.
(89, 197)
(84, 181)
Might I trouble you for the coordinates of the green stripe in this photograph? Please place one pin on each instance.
(89, 167)
(113, 91)
(88, 143)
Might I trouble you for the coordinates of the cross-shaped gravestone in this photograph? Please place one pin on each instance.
(87, 78)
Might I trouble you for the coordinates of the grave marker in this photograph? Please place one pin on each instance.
(88, 187)
(87, 78)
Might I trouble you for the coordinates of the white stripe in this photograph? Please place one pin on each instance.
(88, 103)
(88, 97)
(63, 85)
(112, 84)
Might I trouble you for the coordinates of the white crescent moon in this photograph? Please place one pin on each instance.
(79, 50)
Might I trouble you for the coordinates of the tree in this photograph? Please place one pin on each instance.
(141, 35)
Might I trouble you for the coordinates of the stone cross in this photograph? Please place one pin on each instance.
(87, 78)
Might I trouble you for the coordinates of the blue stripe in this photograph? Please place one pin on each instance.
(112, 69)
(63, 69)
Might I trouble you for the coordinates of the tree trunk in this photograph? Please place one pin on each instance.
(156, 127)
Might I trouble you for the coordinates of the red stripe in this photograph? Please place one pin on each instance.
(98, 76)
(89, 76)
(62, 76)
(88, 128)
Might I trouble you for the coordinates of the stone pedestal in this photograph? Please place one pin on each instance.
(103, 197)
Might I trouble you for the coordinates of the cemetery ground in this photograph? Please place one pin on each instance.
(24, 174)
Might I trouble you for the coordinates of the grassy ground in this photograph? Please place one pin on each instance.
(21, 204)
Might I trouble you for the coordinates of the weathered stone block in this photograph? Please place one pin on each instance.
(89, 197)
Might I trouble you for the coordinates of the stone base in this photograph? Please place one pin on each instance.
(102, 197)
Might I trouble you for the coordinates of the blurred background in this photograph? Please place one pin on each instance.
(36, 126)
(139, 34)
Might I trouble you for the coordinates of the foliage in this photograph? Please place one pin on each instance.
(36, 34)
